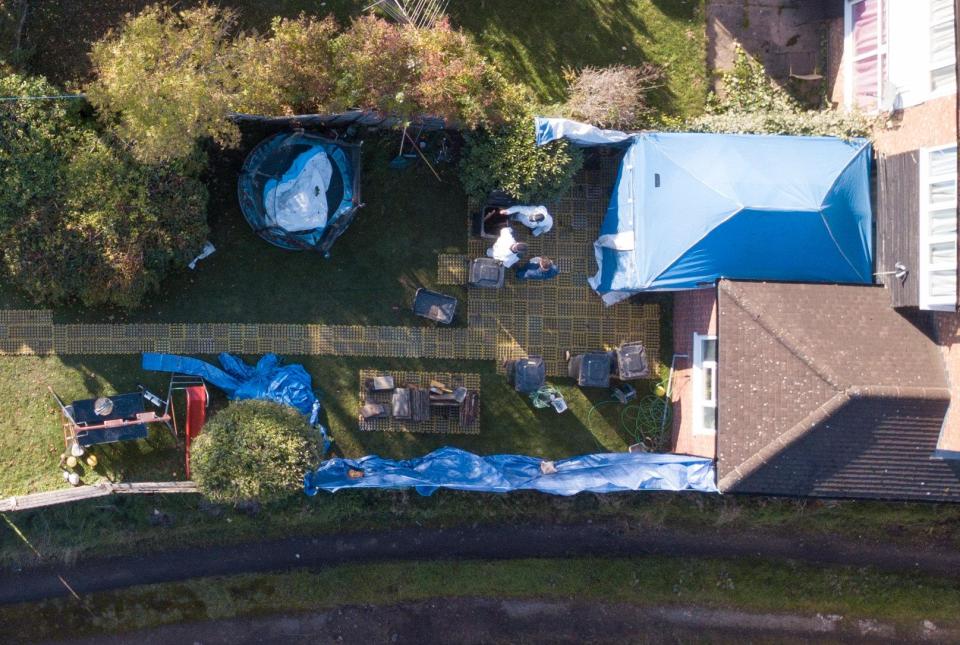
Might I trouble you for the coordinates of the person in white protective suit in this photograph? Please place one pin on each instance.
(506, 249)
(536, 218)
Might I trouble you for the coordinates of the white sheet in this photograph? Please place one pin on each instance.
(300, 203)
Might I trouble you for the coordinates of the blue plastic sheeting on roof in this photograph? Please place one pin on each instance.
(689, 208)
(460, 470)
(267, 380)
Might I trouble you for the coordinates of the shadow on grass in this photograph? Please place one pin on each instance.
(159, 457)
(535, 42)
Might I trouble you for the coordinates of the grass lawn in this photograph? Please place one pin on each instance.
(32, 442)
(121, 524)
(745, 585)
(534, 40)
(32, 439)
(374, 269)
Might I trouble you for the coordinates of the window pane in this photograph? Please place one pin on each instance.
(943, 162)
(708, 349)
(941, 44)
(709, 418)
(865, 25)
(709, 378)
(943, 191)
(943, 284)
(943, 253)
(941, 11)
(943, 222)
(865, 82)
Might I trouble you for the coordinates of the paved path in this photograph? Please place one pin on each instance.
(487, 543)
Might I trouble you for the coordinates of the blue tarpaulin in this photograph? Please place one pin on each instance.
(460, 470)
(267, 380)
(689, 208)
(285, 160)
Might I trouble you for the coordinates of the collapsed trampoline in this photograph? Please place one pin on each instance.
(300, 191)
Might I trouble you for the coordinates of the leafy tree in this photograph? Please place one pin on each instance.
(507, 158)
(290, 72)
(409, 72)
(377, 65)
(752, 103)
(253, 450)
(113, 229)
(35, 138)
(80, 219)
(165, 80)
(453, 80)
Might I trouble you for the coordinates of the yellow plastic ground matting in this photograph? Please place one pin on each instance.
(542, 318)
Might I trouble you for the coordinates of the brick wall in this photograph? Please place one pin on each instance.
(693, 312)
(933, 123)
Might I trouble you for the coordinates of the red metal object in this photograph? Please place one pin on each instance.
(196, 416)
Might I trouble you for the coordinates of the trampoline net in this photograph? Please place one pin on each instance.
(300, 191)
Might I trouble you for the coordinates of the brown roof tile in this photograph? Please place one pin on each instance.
(825, 390)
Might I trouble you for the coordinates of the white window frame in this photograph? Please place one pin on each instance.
(950, 88)
(850, 56)
(699, 368)
(926, 300)
(905, 56)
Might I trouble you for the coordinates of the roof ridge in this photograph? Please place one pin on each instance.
(782, 336)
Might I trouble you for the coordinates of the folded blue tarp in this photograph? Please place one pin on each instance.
(460, 470)
(268, 380)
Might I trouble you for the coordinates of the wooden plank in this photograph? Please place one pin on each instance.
(67, 495)
(898, 224)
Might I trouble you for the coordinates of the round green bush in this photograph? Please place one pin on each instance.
(253, 450)
(508, 159)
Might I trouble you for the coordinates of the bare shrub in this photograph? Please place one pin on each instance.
(613, 97)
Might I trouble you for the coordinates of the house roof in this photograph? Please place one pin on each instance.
(827, 391)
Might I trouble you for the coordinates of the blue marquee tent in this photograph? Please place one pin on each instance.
(688, 208)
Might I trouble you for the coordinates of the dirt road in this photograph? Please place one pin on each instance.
(484, 542)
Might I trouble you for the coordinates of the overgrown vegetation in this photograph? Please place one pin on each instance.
(509, 159)
(752, 103)
(253, 451)
(291, 71)
(163, 80)
(168, 77)
(409, 72)
(79, 219)
(613, 97)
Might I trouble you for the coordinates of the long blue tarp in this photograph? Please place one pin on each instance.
(689, 208)
(458, 469)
